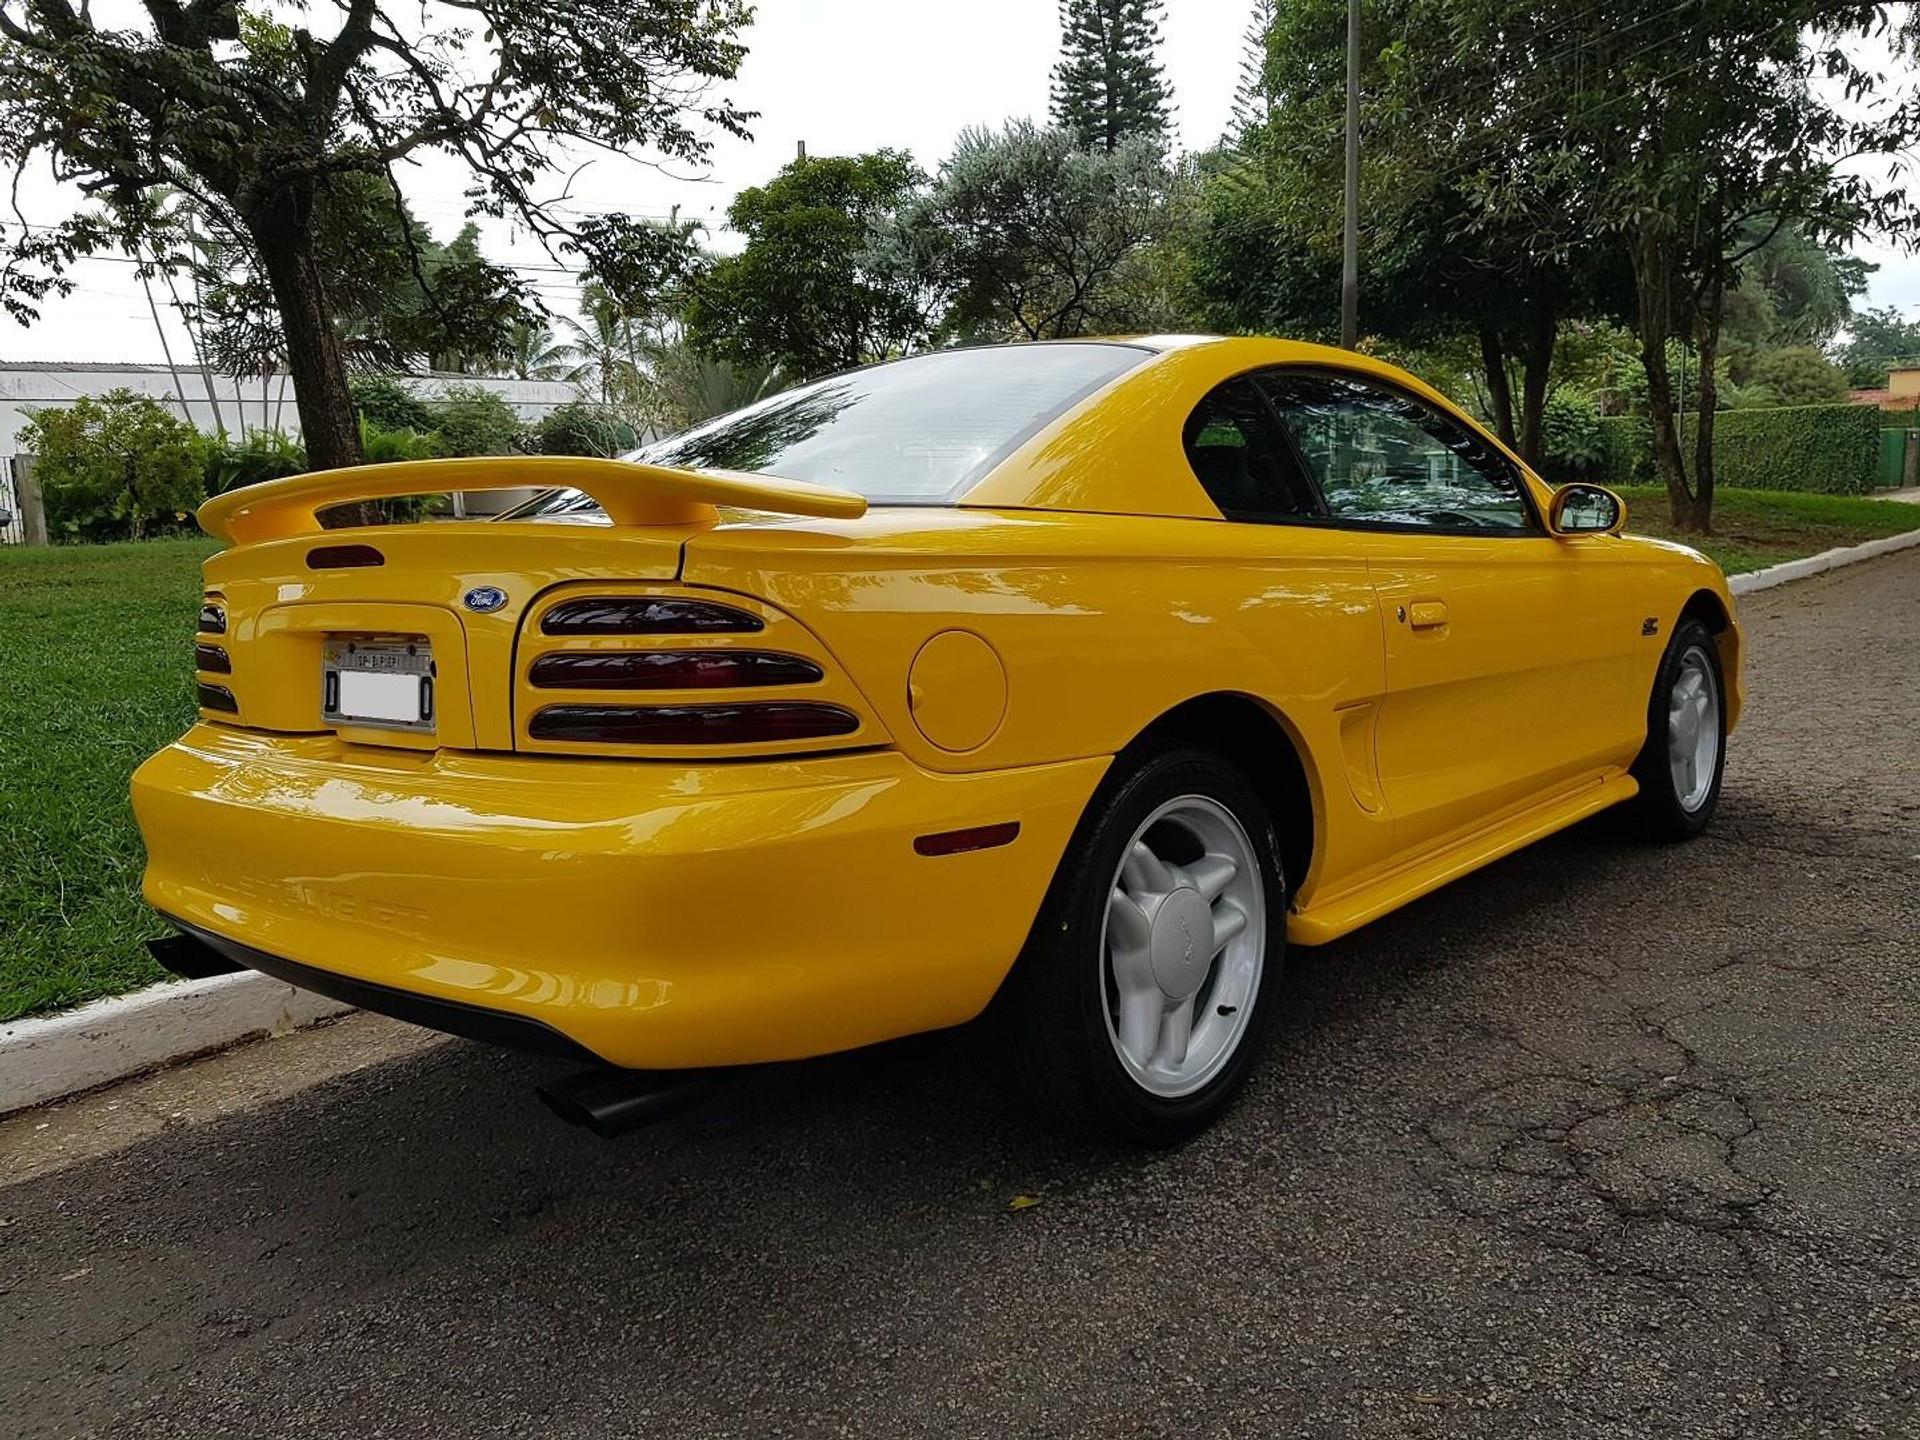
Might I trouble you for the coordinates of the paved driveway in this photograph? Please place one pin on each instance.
(1604, 1140)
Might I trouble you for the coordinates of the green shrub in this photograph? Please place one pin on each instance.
(1799, 375)
(475, 421)
(1831, 449)
(1626, 451)
(1574, 447)
(381, 446)
(581, 427)
(117, 467)
(381, 400)
(258, 455)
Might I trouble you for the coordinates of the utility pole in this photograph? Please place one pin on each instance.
(1350, 241)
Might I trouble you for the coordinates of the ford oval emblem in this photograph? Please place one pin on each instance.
(485, 598)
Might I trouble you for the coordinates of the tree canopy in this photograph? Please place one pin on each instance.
(809, 292)
(1033, 237)
(1108, 86)
(261, 122)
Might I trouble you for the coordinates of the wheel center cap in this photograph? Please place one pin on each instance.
(1182, 942)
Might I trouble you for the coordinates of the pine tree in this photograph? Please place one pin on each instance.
(1252, 100)
(1108, 84)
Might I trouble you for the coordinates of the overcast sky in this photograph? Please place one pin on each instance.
(842, 75)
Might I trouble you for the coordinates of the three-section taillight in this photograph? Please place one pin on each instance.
(210, 658)
(621, 673)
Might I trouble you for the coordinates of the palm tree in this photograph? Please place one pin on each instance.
(604, 350)
(687, 387)
(532, 353)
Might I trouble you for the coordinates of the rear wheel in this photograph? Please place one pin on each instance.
(1685, 756)
(1142, 1002)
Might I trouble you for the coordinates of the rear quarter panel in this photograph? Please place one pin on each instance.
(1101, 624)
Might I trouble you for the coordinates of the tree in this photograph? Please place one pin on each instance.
(1686, 147)
(262, 124)
(1876, 340)
(400, 300)
(1253, 104)
(1034, 237)
(809, 292)
(532, 353)
(115, 466)
(605, 349)
(1108, 86)
(1466, 232)
(1798, 375)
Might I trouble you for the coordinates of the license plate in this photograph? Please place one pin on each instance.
(385, 681)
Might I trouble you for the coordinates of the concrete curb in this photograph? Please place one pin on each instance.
(1819, 564)
(47, 1057)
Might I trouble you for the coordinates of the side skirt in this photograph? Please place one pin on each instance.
(1334, 917)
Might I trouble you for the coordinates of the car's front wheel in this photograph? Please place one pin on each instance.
(1142, 1001)
(1685, 756)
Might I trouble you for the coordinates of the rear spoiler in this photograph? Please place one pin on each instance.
(631, 493)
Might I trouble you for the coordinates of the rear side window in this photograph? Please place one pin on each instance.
(1383, 458)
(1240, 459)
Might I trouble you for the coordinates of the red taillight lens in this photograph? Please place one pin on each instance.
(671, 670)
(212, 659)
(218, 697)
(213, 619)
(743, 724)
(612, 615)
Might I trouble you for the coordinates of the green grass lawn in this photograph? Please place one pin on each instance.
(96, 673)
(1756, 528)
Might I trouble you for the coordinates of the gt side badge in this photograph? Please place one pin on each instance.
(484, 598)
(1650, 625)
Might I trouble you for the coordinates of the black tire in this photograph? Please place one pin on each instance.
(1056, 1005)
(1660, 811)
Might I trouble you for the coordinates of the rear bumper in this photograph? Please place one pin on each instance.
(657, 915)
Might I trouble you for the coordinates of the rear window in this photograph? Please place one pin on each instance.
(919, 431)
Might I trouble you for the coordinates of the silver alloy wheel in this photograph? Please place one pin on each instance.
(1693, 729)
(1183, 946)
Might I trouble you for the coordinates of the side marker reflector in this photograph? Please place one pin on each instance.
(958, 842)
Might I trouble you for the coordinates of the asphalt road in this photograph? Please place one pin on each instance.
(1603, 1141)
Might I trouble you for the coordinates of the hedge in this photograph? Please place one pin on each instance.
(1833, 449)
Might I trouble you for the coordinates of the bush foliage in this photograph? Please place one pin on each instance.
(581, 427)
(119, 466)
(1830, 449)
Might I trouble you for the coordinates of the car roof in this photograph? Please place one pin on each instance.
(1120, 450)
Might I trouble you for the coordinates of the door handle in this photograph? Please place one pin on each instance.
(1427, 614)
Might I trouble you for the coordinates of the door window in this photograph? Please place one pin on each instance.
(1383, 458)
(1241, 460)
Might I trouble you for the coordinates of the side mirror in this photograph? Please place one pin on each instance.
(1586, 510)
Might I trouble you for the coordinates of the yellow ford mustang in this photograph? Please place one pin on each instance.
(1081, 674)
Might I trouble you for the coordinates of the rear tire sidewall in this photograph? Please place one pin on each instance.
(1062, 1004)
(1660, 808)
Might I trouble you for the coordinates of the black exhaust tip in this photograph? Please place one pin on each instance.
(612, 1103)
(190, 959)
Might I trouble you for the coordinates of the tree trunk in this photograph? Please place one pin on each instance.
(314, 359)
(1712, 303)
(1536, 368)
(1493, 357)
(1653, 303)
